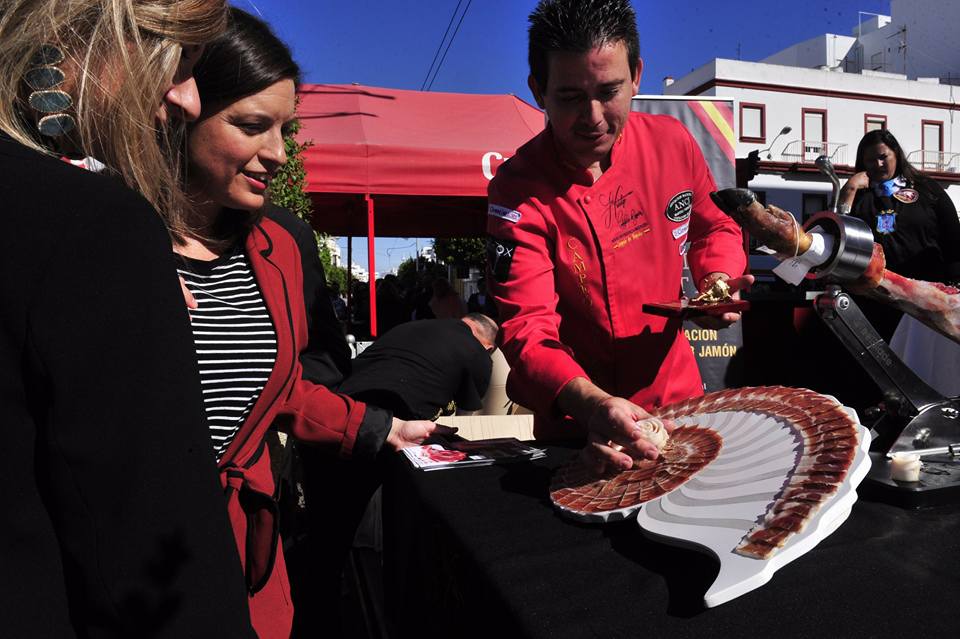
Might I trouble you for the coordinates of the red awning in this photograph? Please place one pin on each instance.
(387, 162)
(425, 158)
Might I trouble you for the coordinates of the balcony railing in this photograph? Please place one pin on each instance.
(941, 161)
(806, 151)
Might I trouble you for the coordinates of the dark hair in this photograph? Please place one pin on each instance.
(245, 60)
(883, 136)
(579, 26)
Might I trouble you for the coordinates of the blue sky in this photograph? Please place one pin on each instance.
(391, 43)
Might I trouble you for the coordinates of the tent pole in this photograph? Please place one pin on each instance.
(349, 283)
(371, 266)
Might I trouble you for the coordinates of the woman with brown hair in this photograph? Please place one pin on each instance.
(114, 523)
(260, 306)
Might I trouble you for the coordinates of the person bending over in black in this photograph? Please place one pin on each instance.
(419, 368)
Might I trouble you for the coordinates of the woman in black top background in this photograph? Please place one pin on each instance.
(911, 216)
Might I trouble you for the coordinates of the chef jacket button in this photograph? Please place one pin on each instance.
(586, 199)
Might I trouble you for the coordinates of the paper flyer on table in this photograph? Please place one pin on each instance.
(463, 453)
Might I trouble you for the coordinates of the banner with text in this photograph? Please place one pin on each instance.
(710, 121)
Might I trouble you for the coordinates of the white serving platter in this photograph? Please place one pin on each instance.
(720, 504)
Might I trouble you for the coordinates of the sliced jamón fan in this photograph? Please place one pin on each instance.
(829, 441)
(688, 450)
(828, 438)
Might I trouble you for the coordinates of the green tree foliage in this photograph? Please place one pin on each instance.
(462, 252)
(288, 189)
(288, 186)
(336, 274)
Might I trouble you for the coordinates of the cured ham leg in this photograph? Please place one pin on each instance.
(775, 228)
(936, 305)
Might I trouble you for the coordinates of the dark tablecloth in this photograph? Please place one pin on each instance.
(469, 552)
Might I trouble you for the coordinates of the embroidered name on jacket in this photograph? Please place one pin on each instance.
(579, 269)
(628, 222)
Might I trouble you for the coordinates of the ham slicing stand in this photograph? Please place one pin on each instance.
(915, 418)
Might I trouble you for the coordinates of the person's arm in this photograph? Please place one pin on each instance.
(613, 439)
(314, 414)
(521, 281)
(857, 182)
(948, 233)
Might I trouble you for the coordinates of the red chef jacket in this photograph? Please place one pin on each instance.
(572, 262)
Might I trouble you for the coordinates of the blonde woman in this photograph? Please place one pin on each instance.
(113, 523)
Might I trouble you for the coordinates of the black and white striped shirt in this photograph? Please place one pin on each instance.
(235, 340)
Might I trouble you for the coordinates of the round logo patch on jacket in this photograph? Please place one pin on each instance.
(907, 196)
(680, 206)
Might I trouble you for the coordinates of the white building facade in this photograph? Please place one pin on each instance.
(820, 97)
(359, 273)
(333, 246)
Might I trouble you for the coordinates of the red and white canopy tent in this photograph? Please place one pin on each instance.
(398, 163)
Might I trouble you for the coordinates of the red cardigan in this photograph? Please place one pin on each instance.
(305, 410)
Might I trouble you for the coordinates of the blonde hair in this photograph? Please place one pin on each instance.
(121, 56)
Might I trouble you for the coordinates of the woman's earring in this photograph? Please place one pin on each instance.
(44, 77)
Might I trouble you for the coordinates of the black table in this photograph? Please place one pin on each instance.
(474, 551)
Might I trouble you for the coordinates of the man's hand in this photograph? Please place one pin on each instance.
(404, 434)
(718, 322)
(613, 439)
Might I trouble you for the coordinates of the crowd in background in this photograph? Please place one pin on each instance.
(420, 296)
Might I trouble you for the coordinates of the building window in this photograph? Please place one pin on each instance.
(874, 122)
(932, 149)
(753, 123)
(813, 203)
(814, 134)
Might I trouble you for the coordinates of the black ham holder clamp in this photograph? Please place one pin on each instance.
(915, 418)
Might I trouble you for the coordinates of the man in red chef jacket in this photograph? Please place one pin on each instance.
(587, 222)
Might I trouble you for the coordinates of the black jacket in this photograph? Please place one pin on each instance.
(924, 242)
(114, 524)
(418, 367)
